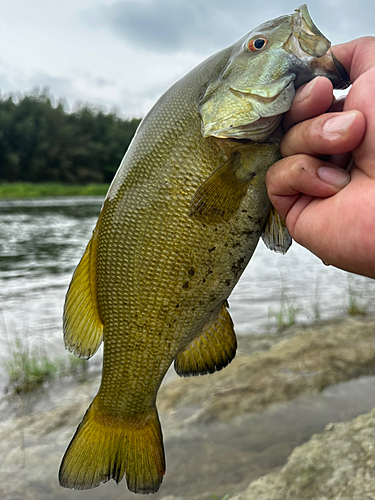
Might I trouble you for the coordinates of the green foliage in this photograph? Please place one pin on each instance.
(40, 142)
(28, 370)
(31, 190)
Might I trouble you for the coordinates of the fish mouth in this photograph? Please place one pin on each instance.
(332, 69)
(314, 49)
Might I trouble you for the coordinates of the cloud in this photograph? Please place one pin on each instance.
(171, 25)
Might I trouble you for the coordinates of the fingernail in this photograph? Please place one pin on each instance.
(339, 124)
(305, 91)
(336, 177)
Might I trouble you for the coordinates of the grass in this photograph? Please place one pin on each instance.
(31, 190)
(30, 369)
(288, 310)
(285, 316)
(355, 306)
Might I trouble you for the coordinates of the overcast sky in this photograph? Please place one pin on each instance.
(124, 54)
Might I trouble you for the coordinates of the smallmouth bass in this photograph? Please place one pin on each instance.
(180, 223)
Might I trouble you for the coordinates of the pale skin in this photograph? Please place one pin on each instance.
(327, 209)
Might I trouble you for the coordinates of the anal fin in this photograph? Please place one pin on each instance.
(83, 328)
(211, 350)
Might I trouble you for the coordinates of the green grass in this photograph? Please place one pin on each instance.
(285, 315)
(31, 369)
(30, 190)
(356, 306)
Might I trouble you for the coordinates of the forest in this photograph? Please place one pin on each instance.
(41, 142)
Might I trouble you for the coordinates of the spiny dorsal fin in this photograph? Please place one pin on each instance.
(275, 235)
(211, 350)
(219, 197)
(83, 328)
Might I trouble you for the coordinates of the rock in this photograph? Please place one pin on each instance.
(338, 464)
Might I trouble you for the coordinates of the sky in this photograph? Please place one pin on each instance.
(123, 55)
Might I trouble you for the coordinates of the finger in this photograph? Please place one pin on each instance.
(362, 98)
(337, 105)
(290, 177)
(342, 160)
(310, 100)
(328, 134)
(356, 56)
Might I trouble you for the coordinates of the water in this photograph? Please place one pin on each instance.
(42, 240)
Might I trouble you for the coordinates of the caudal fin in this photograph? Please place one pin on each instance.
(104, 449)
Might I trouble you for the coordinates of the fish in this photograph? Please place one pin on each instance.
(178, 227)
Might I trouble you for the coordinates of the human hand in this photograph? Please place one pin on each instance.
(326, 209)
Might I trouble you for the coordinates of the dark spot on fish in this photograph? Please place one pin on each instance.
(191, 271)
(245, 212)
(236, 266)
(248, 233)
(227, 282)
(185, 285)
(177, 306)
(211, 249)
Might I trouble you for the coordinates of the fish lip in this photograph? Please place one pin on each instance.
(331, 68)
(341, 71)
(257, 92)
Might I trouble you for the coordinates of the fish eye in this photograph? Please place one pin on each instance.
(257, 43)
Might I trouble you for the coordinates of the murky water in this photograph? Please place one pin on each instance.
(41, 242)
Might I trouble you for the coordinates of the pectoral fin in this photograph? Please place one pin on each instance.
(219, 197)
(211, 350)
(83, 328)
(275, 235)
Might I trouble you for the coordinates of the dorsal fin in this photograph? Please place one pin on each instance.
(211, 350)
(83, 328)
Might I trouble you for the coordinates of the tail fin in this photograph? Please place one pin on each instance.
(104, 449)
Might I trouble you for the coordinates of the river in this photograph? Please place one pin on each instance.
(42, 240)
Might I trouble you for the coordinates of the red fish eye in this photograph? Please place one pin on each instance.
(257, 43)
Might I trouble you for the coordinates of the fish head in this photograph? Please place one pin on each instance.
(257, 84)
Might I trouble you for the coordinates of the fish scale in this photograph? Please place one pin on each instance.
(180, 223)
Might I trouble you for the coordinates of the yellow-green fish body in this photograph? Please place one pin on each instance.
(179, 225)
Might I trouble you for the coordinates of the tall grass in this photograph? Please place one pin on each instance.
(285, 314)
(29, 369)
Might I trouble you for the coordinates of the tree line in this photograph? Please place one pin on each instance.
(41, 142)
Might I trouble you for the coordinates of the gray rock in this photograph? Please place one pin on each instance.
(338, 464)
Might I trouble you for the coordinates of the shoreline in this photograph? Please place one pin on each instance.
(222, 431)
(28, 190)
